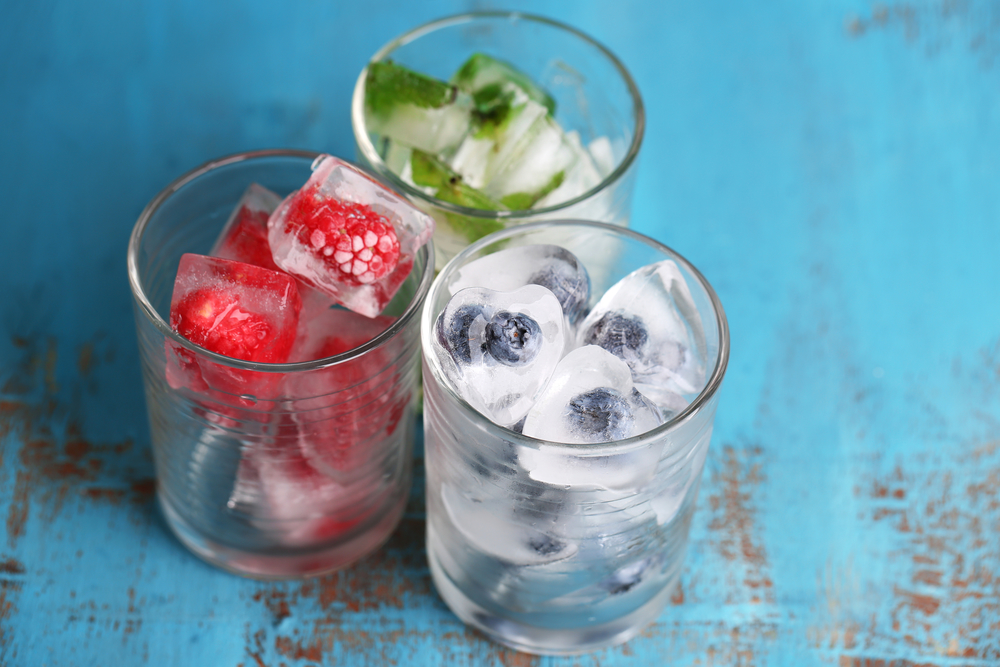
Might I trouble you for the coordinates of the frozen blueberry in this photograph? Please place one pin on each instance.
(628, 577)
(602, 413)
(454, 334)
(620, 334)
(568, 280)
(513, 339)
(545, 545)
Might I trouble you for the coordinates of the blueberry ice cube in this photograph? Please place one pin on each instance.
(492, 528)
(513, 339)
(628, 577)
(499, 348)
(550, 266)
(589, 400)
(649, 320)
(603, 412)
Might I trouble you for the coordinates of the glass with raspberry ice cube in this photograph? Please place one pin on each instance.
(282, 419)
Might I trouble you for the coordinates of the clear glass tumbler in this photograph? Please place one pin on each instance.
(594, 95)
(557, 568)
(271, 470)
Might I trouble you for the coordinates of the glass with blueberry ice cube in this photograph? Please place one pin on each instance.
(493, 119)
(277, 298)
(569, 398)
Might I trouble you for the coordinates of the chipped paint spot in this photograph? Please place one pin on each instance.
(11, 566)
(937, 518)
(734, 527)
(935, 26)
(85, 360)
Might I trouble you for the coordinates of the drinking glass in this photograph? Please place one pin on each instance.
(270, 470)
(572, 567)
(594, 95)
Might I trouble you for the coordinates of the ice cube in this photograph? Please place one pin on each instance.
(649, 320)
(293, 502)
(234, 309)
(348, 235)
(344, 415)
(244, 239)
(550, 266)
(581, 177)
(414, 109)
(590, 399)
(492, 528)
(482, 72)
(500, 347)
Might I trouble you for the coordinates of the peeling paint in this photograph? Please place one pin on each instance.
(935, 26)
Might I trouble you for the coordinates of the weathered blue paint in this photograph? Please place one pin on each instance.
(831, 166)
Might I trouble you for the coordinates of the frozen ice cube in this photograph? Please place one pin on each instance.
(649, 320)
(482, 72)
(348, 235)
(532, 165)
(491, 527)
(550, 266)
(244, 239)
(342, 415)
(414, 109)
(582, 176)
(234, 309)
(500, 347)
(293, 502)
(590, 399)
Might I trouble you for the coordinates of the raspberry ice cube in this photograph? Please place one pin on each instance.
(344, 413)
(292, 502)
(234, 309)
(244, 239)
(348, 235)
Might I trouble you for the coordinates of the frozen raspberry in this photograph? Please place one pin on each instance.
(216, 320)
(357, 243)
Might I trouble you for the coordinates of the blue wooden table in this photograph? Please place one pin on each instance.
(833, 168)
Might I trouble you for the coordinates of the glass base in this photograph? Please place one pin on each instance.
(546, 641)
(276, 566)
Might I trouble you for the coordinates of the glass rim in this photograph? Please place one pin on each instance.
(146, 307)
(378, 165)
(584, 450)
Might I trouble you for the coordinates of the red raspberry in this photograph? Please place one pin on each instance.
(247, 240)
(359, 245)
(214, 319)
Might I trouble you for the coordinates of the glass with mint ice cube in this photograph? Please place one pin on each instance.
(493, 119)
(569, 399)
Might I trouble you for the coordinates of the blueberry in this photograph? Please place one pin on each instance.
(545, 545)
(453, 333)
(620, 334)
(568, 280)
(628, 577)
(513, 339)
(603, 414)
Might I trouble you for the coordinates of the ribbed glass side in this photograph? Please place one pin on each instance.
(308, 467)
